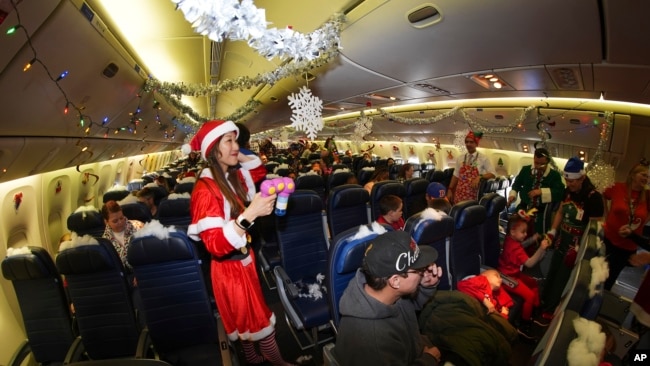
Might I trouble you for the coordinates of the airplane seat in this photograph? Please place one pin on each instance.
(102, 297)
(379, 190)
(345, 257)
(86, 220)
(338, 178)
(393, 171)
(184, 187)
(437, 176)
(314, 156)
(363, 175)
(434, 228)
(137, 211)
(43, 304)
(183, 327)
(175, 210)
(347, 161)
(312, 182)
(448, 173)
(339, 166)
(303, 265)
(491, 248)
(116, 195)
(486, 186)
(552, 347)
(347, 207)
(270, 166)
(135, 185)
(268, 252)
(282, 172)
(415, 198)
(466, 241)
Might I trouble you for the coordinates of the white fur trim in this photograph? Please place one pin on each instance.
(215, 133)
(186, 149)
(578, 175)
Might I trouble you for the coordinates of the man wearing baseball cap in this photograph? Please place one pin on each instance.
(436, 197)
(378, 324)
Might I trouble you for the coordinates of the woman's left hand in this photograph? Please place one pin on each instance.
(431, 275)
(625, 231)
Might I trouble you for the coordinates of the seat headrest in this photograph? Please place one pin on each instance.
(174, 208)
(34, 265)
(493, 203)
(89, 258)
(149, 249)
(349, 195)
(467, 214)
(425, 230)
(352, 255)
(304, 202)
(81, 222)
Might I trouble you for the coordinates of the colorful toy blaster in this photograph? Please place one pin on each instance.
(283, 187)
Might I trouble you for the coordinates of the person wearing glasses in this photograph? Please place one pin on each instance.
(625, 220)
(378, 321)
(581, 203)
(539, 187)
(119, 230)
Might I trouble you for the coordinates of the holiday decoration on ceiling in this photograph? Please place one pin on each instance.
(459, 140)
(307, 112)
(362, 128)
(599, 172)
(241, 20)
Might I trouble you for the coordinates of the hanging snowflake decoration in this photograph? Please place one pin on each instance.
(362, 128)
(307, 112)
(459, 140)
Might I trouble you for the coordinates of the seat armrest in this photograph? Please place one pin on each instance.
(75, 351)
(285, 283)
(144, 345)
(506, 280)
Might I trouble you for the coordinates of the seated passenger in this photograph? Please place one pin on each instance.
(378, 324)
(511, 260)
(436, 197)
(486, 288)
(148, 198)
(380, 174)
(390, 209)
(119, 230)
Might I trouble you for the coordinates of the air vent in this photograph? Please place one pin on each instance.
(110, 70)
(567, 78)
(429, 87)
(574, 121)
(426, 14)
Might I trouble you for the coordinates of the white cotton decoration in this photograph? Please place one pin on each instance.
(432, 214)
(128, 199)
(586, 348)
(342, 170)
(599, 273)
(151, 185)
(117, 188)
(188, 180)
(155, 228)
(77, 241)
(177, 196)
(18, 251)
(86, 209)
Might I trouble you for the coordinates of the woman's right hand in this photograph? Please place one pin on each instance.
(260, 206)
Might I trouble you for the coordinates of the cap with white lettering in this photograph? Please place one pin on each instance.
(396, 252)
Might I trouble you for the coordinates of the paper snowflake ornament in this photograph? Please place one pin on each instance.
(459, 140)
(307, 112)
(362, 128)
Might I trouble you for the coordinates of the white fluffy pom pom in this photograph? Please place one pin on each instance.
(186, 149)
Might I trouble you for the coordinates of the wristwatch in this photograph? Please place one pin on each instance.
(243, 223)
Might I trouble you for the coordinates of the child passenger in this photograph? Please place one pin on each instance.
(486, 288)
(511, 260)
(390, 210)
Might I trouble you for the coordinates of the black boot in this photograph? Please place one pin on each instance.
(525, 331)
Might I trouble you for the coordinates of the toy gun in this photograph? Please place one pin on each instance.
(283, 187)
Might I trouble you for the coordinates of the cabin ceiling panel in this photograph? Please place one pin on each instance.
(627, 32)
(503, 34)
(622, 82)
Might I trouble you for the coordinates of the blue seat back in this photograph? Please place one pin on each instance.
(86, 223)
(338, 179)
(185, 187)
(381, 189)
(491, 248)
(363, 175)
(43, 303)
(136, 211)
(415, 198)
(98, 288)
(347, 207)
(436, 233)
(466, 241)
(175, 212)
(301, 236)
(174, 297)
(115, 195)
(345, 257)
(312, 182)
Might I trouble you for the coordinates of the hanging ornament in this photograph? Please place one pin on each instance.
(362, 128)
(459, 140)
(284, 135)
(599, 172)
(307, 112)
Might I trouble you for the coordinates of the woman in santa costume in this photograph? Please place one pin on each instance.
(224, 206)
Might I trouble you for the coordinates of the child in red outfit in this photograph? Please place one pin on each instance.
(513, 257)
(390, 209)
(486, 288)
